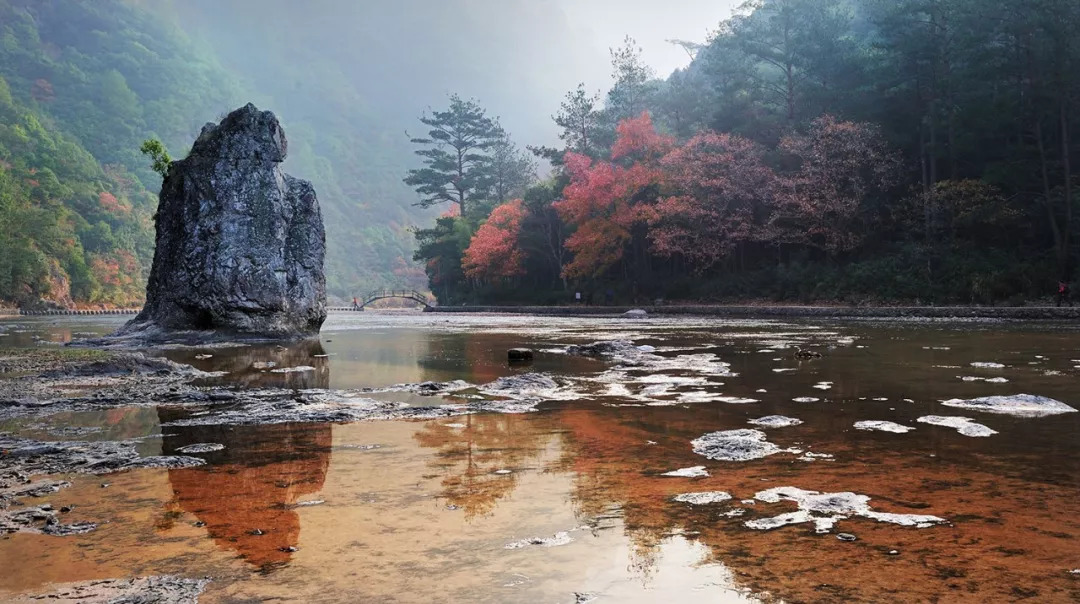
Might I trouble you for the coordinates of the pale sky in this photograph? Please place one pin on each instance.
(651, 22)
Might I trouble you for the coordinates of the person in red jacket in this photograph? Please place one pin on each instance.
(1064, 294)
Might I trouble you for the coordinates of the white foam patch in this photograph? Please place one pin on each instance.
(617, 390)
(993, 380)
(1019, 405)
(805, 399)
(783, 369)
(734, 445)
(691, 472)
(775, 421)
(963, 425)
(560, 538)
(700, 396)
(883, 426)
(674, 380)
(823, 385)
(811, 456)
(298, 369)
(987, 365)
(736, 400)
(824, 510)
(702, 497)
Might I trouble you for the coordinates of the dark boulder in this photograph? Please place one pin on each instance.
(240, 244)
(519, 355)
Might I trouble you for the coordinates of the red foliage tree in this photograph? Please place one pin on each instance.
(42, 91)
(494, 251)
(604, 201)
(637, 137)
(111, 204)
(721, 186)
(824, 202)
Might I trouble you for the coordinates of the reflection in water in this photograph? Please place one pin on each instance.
(426, 515)
(299, 365)
(479, 456)
(247, 498)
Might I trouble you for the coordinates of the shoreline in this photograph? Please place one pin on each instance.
(1027, 313)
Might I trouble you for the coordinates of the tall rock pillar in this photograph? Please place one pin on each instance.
(240, 244)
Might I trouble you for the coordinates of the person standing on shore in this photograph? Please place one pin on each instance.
(1064, 294)
(355, 304)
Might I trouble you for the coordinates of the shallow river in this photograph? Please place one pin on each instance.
(570, 503)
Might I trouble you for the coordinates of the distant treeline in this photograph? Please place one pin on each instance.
(814, 150)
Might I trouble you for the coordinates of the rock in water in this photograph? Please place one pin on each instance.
(519, 355)
(240, 244)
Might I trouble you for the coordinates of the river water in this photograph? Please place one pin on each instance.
(570, 503)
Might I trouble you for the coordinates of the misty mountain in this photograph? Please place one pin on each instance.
(349, 80)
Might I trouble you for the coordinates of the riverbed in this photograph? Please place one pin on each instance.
(705, 460)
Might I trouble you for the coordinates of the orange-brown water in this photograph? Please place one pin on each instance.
(427, 514)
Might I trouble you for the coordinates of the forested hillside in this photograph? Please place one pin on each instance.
(83, 84)
(814, 150)
(105, 75)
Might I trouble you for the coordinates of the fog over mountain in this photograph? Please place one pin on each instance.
(350, 79)
(517, 57)
(971, 138)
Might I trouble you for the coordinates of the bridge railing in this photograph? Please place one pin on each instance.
(409, 294)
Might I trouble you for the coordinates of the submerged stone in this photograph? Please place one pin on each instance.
(1019, 405)
(240, 244)
(157, 589)
(93, 457)
(201, 448)
(734, 445)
